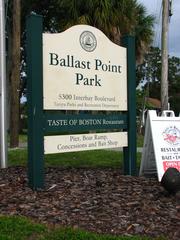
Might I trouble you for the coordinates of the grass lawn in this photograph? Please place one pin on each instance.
(20, 228)
(96, 158)
(140, 139)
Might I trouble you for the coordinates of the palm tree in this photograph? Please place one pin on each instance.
(93, 12)
(133, 20)
(143, 32)
(115, 18)
(14, 70)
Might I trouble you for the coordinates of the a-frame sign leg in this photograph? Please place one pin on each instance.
(130, 151)
(35, 102)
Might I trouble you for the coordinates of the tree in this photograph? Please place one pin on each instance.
(143, 32)
(149, 76)
(115, 18)
(174, 84)
(15, 76)
(149, 71)
(16, 54)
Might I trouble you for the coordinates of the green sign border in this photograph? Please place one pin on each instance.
(56, 122)
(37, 117)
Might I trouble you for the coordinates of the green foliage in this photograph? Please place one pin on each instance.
(174, 84)
(139, 101)
(115, 18)
(143, 32)
(148, 76)
(150, 70)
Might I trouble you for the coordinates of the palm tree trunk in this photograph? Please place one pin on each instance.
(15, 76)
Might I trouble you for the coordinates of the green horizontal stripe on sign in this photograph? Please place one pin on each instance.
(54, 122)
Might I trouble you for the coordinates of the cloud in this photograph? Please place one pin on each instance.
(154, 7)
(174, 33)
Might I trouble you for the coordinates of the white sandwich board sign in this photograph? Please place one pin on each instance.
(161, 148)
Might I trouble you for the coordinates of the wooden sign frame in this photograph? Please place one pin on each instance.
(38, 118)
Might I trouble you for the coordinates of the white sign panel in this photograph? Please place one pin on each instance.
(83, 142)
(83, 70)
(165, 132)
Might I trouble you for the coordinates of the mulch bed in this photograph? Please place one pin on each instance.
(97, 200)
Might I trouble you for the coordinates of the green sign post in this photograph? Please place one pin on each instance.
(35, 102)
(43, 122)
(130, 151)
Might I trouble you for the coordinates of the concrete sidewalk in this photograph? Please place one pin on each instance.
(139, 149)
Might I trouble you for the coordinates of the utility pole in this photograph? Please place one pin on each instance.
(164, 55)
(3, 133)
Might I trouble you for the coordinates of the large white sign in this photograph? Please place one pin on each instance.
(83, 70)
(83, 142)
(162, 143)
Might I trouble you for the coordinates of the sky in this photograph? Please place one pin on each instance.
(155, 7)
